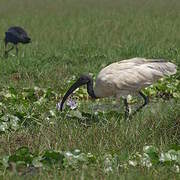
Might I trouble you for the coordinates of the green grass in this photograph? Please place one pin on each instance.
(74, 37)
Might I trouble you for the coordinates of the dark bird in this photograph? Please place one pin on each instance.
(123, 78)
(15, 35)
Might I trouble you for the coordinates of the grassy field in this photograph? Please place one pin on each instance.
(74, 37)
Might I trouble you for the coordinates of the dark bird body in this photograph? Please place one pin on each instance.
(15, 35)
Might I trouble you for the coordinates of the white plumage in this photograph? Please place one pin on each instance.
(123, 78)
(130, 76)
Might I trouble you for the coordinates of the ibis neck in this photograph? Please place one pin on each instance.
(90, 89)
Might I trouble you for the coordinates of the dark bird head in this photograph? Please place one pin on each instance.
(26, 40)
(84, 79)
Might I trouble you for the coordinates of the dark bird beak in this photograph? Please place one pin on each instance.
(30, 41)
(77, 84)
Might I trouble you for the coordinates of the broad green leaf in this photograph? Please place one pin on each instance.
(152, 152)
(4, 161)
(76, 114)
(3, 126)
(170, 156)
(175, 147)
(52, 157)
(36, 162)
(133, 163)
(23, 155)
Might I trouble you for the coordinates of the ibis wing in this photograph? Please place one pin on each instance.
(128, 76)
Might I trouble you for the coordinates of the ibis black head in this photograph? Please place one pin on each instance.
(84, 79)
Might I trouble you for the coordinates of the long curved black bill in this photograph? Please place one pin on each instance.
(77, 84)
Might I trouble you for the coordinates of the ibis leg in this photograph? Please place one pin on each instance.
(126, 108)
(146, 101)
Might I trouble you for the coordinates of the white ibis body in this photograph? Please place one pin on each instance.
(15, 35)
(123, 78)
